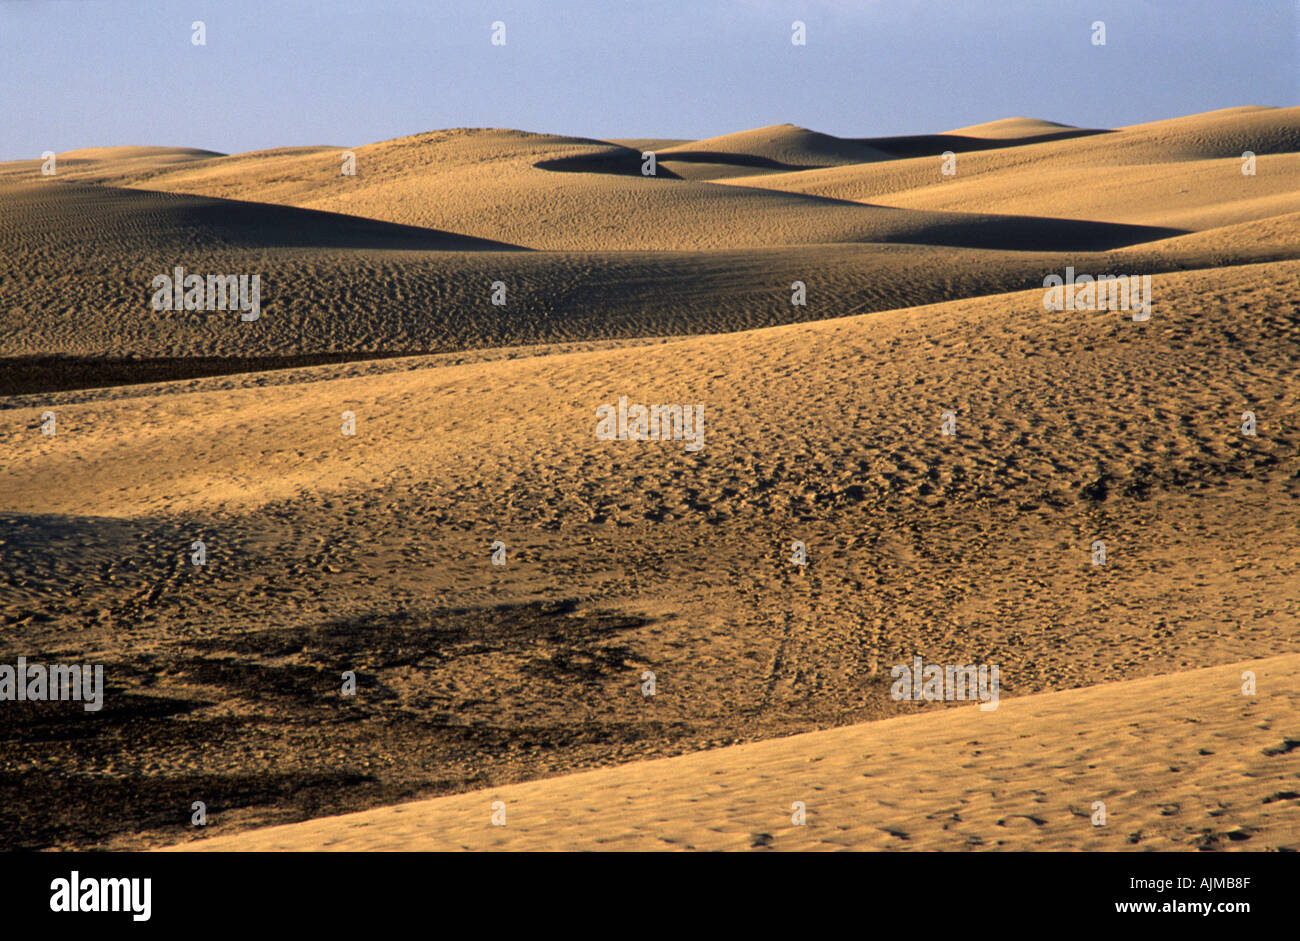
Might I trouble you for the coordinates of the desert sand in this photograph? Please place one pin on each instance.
(475, 424)
(1172, 762)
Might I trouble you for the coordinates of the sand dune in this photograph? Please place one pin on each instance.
(83, 258)
(1013, 129)
(336, 284)
(409, 184)
(764, 149)
(782, 144)
(1180, 762)
(125, 222)
(899, 350)
(1182, 167)
(133, 159)
(1274, 238)
(329, 553)
(1190, 195)
(370, 553)
(477, 182)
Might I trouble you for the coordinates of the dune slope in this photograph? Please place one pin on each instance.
(1179, 762)
(372, 553)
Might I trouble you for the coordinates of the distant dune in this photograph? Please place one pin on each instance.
(1097, 177)
(780, 147)
(1013, 129)
(162, 155)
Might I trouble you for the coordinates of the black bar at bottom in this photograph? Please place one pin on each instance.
(647, 892)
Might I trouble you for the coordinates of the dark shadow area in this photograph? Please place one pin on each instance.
(623, 162)
(43, 809)
(629, 164)
(29, 723)
(134, 218)
(566, 637)
(23, 375)
(932, 145)
(734, 160)
(255, 720)
(1027, 233)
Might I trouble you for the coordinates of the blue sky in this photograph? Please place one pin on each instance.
(78, 73)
